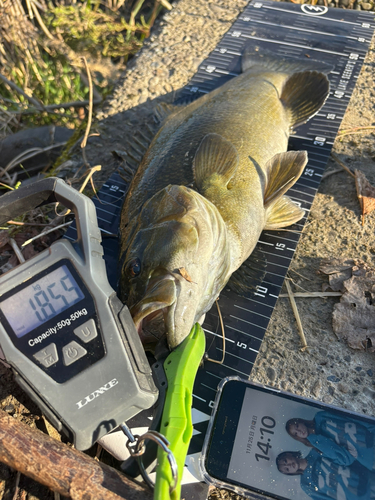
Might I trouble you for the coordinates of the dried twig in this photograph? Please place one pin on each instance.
(166, 4)
(30, 153)
(97, 168)
(337, 160)
(16, 250)
(223, 334)
(16, 488)
(15, 223)
(10, 180)
(50, 108)
(355, 130)
(330, 172)
(40, 21)
(313, 294)
(299, 274)
(89, 119)
(99, 450)
(15, 87)
(296, 315)
(47, 232)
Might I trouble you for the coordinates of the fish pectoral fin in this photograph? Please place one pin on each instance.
(215, 162)
(303, 94)
(283, 170)
(283, 213)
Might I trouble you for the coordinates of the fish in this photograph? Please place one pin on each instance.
(213, 178)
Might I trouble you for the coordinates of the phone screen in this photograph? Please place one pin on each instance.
(289, 448)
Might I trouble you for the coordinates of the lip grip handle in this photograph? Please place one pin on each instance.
(53, 190)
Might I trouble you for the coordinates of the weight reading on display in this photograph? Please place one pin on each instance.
(41, 301)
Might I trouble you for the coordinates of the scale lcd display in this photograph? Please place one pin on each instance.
(41, 301)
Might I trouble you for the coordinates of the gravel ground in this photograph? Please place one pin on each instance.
(329, 370)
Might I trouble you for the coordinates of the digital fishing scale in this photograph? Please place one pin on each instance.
(71, 343)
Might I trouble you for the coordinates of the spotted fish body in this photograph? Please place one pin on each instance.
(212, 179)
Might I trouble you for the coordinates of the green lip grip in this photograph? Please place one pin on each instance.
(180, 367)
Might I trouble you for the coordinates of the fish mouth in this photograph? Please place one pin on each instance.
(153, 315)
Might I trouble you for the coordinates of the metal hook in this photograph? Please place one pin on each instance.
(161, 441)
(136, 446)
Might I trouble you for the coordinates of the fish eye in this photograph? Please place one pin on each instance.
(133, 268)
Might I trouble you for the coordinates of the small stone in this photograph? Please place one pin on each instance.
(366, 5)
(333, 378)
(9, 408)
(369, 392)
(347, 359)
(153, 81)
(284, 384)
(327, 399)
(317, 388)
(358, 368)
(343, 388)
(370, 373)
(271, 373)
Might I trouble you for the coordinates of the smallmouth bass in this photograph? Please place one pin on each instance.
(213, 178)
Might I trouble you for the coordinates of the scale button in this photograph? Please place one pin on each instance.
(87, 331)
(47, 356)
(72, 352)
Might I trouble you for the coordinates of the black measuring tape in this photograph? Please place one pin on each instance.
(338, 37)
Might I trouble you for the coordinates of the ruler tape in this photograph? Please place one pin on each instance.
(336, 36)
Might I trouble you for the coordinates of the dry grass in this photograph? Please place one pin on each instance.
(43, 80)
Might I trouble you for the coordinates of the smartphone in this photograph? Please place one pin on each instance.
(263, 442)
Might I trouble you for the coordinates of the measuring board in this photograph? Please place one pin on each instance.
(338, 37)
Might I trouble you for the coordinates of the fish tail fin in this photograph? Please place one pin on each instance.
(303, 95)
(304, 90)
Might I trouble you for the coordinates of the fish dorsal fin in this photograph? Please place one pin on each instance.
(303, 94)
(164, 110)
(254, 57)
(215, 161)
(283, 213)
(283, 170)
